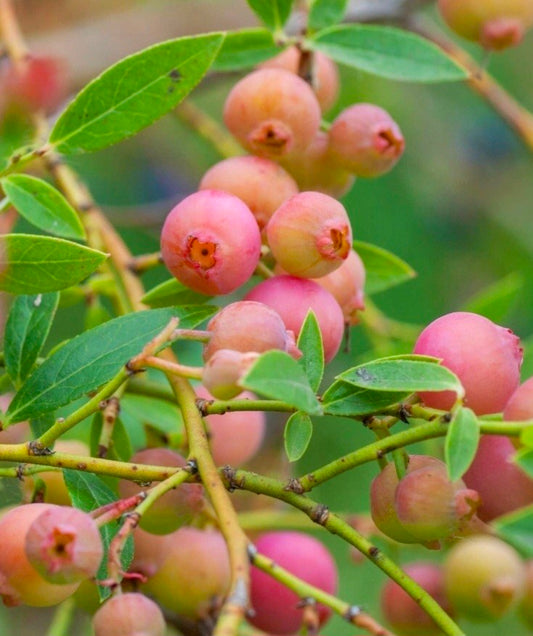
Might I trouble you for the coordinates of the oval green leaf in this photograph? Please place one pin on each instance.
(278, 376)
(346, 400)
(273, 13)
(388, 52)
(38, 264)
(517, 529)
(172, 293)
(325, 13)
(244, 49)
(397, 374)
(89, 492)
(92, 359)
(495, 301)
(134, 93)
(43, 206)
(524, 458)
(310, 344)
(297, 435)
(461, 443)
(383, 269)
(27, 327)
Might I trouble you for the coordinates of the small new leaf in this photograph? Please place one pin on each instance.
(310, 344)
(461, 443)
(297, 435)
(383, 269)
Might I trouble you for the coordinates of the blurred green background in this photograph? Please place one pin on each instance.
(458, 208)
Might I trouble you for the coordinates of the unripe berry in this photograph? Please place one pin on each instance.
(483, 577)
(176, 507)
(325, 74)
(502, 485)
(383, 494)
(275, 606)
(366, 140)
(201, 247)
(495, 24)
(130, 614)
(223, 371)
(236, 436)
(272, 113)
(249, 326)
(485, 357)
(195, 575)
(310, 235)
(346, 284)
(404, 614)
(20, 582)
(261, 183)
(64, 545)
(292, 298)
(150, 551)
(318, 169)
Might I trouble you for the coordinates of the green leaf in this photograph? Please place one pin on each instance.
(43, 206)
(297, 435)
(383, 269)
(93, 358)
(278, 376)
(274, 13)
(173, 293)
(244, 49)
(89, 492)
(40, 425)
(310, 344)
(325, 13)
(495, 301)
(394, 374)
(388, 52)
(38, 264)
(461, 443)
(134, 93)
(141, 409)
(517, 529)
(346, 400)
(27, 327)
(10, 491)
(524, 458)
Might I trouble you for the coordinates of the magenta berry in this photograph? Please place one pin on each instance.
(485, 357)
(275, 606)
(223, 371)
(176, 507)
(246, 326)
(310, 235)
(502, 485)
(403, 613)
(236, 436)
(324, 71)
(366, 140)
(484, 577)
(318, 169)
(496, 25)
(261, 183)
(292, 298)
(20, 582)
(128, 614)
(200, 558)
(272, 112)
(64, 545)
(201, 248)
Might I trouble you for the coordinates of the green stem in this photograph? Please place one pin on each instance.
(94, 404)
(321, 515)
(26, 471)
(219, 407)
(61, 624)
(180, 476)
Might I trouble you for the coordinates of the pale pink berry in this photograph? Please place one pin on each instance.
(210, 242)
(272, 112)
(520, 404)
(261, 183)
(130, 614)
(366, 140)
(292, 298)
(249, 326)
(236, 436)
(485, 357)
(324, 73)
(64, 545)
(310, 235)
(224, 370)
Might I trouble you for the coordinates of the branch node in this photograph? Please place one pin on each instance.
(319, 514)
(295, 486)
(39, 450)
